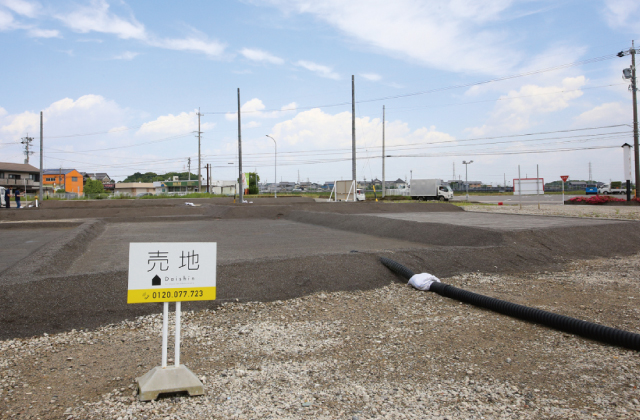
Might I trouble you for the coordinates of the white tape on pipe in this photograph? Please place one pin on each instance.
(423, 281)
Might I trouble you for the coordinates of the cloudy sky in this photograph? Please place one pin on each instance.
(501, 82)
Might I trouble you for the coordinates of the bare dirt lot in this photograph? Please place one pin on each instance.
(317, 327)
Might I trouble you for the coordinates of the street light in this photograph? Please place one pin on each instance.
(275, 168)
(466, 173)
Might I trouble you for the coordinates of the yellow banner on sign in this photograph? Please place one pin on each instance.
(171, 294)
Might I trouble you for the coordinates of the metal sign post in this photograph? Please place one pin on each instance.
(626, 148)
(564, 179)
(171, 272)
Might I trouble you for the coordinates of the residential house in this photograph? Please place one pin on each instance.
(21, 175)
(108, 184)
(102, 176)
(399, 184)
(68, 179)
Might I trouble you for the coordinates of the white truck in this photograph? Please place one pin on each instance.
(606, 189)
(430, 189)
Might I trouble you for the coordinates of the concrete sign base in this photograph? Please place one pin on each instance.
(168, 380)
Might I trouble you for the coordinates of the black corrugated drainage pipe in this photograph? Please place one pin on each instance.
(560, 322)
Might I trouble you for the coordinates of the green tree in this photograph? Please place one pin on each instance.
(93, 187)
(254, 178)
(152, 176)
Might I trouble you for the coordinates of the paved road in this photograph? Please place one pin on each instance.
(495, 221)
(238, 240)
(18, 244)
(511, 199)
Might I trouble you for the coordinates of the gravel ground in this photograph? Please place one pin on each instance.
(392, 352)
(607, 212)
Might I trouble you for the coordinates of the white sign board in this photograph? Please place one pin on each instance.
(171, 272)
(528, 186)
(345, 190)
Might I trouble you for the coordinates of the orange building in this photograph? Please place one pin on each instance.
(69, 179)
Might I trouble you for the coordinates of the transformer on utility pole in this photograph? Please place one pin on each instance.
(27, 146)
(630, 73)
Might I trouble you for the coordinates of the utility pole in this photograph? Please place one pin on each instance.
(353, 129)
(466, 175)
(275, 168)
(40, 193)
(27, 145)
(631, 74)
(189, 169)
(590, 175)
(199, 157)
(241, 194)
(207, 177)
(383, 175)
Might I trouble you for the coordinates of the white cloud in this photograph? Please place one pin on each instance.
(171, 124)
(6, 21)
(515, 110)
(319, 69)
(127, 55)
(605, 114)
(21, 7)
(433, 32)
(63, 117)
(315, 128)
(259, 55)
(97, 17)
(197, 43)
(254, 108)
(373, 77)
(44, 33)
(623, 14)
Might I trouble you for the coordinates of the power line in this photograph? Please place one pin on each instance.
(444, 88)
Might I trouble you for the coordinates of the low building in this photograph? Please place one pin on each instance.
(286, 186)
(132, 189)
(19, 175)
(223, 187)
(70, 180)
(308, 186)
(175, 187)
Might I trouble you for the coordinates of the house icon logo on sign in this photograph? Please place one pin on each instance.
(156, 281)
